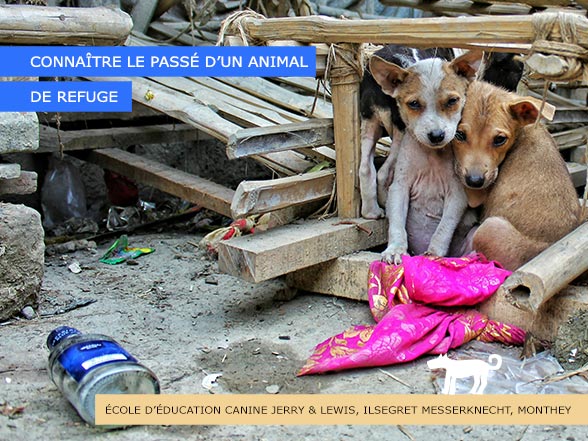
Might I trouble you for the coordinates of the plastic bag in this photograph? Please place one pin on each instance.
(516, 376)
(63, 195)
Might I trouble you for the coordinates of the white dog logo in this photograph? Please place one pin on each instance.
(455, 369)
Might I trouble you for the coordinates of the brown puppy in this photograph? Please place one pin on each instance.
(512, 167)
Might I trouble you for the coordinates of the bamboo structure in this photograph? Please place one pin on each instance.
(245, 257)
(464, 32)
(290, 130)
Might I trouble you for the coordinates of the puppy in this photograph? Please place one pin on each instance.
(380, 116)
(512, 167)
(425, 201)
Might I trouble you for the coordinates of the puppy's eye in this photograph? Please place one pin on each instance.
(499, 140)
(414, 105)
(460, 136)
(451, 102)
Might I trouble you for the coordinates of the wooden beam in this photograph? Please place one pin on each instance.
(439, 31)
(346, 276)
(256, 197)
(255, 141)
(179, 183)
(280, 251)
(34, 25)
(114, 137)
(26, 183)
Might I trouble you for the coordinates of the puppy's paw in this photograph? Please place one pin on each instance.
(434, 250)
(373, 213)
(393, 254)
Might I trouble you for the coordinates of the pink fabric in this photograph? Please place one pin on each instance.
(407, 327)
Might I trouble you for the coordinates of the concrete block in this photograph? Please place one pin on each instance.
(22, 258)
(19, 132)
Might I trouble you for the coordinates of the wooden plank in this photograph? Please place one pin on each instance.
(33, 25)
(309, 85)
(26, 183)
(578, 173)
(262, 88)
(292, 247)
(443, 31)
(179, 183)
(217, 85)
(578, 155)
(223, 108)
(179, 106)
(9, 171)
(257, 197)
(570, 116)
(142, 14)
(285, 163)
(115, 137)
(311, 133)
(571, 138)
(211, 97)
(346, 122)
(139, 111)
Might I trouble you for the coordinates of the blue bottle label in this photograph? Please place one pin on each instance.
(81, 358)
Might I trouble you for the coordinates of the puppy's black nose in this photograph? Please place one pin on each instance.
(436, 136)
(474, 181)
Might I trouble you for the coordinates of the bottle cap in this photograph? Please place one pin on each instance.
(59, 334)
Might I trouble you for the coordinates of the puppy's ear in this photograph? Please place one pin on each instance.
(526, 110)
(387, 75)
(468, 64)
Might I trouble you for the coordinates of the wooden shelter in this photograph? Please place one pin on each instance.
(525, 296)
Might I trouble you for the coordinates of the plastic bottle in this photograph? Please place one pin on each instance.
(84, 365)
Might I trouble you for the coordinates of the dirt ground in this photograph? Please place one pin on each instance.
(183, 319)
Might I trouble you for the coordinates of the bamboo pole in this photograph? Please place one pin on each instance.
(35, 25)
(418, 32)
(462, 6)
(345, 78)
(537, 281)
